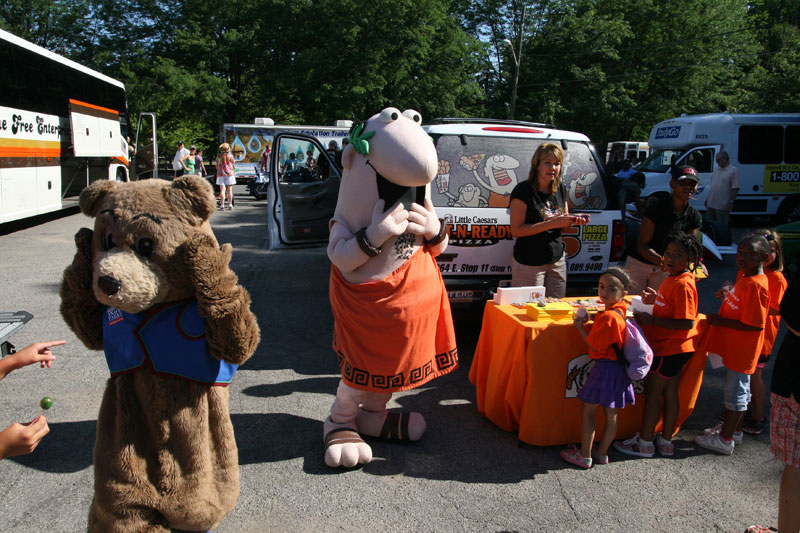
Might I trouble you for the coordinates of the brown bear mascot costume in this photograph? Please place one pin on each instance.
(152, 288)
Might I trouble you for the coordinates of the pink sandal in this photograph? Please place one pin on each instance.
(573, 455)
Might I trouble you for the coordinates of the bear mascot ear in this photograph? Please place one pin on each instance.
(192, 194)
(91, 197)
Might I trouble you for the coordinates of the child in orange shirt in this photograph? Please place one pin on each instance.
(737, 334)
(773, 269)
(670, 330)
(608, 383)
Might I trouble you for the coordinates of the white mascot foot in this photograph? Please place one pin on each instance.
(343, 445)
(396, 427)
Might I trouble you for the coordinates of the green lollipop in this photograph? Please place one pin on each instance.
(45, 403)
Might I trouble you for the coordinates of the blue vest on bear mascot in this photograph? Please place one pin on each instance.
(169, 339)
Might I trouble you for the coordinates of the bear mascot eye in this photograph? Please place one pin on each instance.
(108, 243)
(144, 247)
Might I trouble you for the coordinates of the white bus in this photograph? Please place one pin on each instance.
(62, 126)
(765, 149)
(620, 150)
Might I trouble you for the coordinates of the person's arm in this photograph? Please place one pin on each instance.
(38, 352)
(734, 192)
(646, 232)
(20, 439)
(519, 228)
(646, 319)
(184, 158)
(716, 320)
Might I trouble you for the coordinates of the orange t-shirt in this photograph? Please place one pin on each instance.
(608, 329)
(677, 298)
(777, 286)
(747, 302)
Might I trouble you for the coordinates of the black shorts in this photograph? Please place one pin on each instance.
(669, 366)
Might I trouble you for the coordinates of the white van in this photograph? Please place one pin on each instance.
(765, 149)
(480, 163)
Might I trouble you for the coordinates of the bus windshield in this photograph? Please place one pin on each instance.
(660, 160)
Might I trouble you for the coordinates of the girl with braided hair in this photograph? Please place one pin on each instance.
(671, 331)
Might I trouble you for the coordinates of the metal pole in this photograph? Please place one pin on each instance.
(517, 61)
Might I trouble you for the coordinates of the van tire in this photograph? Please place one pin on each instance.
(789, 210)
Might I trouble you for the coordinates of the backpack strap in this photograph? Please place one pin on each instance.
(617, 348)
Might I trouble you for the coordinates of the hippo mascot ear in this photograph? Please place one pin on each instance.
(384, 237)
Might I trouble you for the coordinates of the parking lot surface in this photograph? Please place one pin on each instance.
(466, 474)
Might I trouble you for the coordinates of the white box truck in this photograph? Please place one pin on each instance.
(765, 148)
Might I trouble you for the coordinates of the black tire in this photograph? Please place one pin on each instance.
(789, 210)
(122, 176)
(259, 190)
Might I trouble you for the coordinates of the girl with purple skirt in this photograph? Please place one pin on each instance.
(608, 384)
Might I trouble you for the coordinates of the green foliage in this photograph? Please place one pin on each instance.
(608, 68)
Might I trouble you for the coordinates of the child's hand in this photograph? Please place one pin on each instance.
(649, 295)
(38, 352)
(19, 439)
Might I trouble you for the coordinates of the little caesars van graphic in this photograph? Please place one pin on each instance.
(480, 163)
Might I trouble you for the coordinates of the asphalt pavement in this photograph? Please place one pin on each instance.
(466, 474)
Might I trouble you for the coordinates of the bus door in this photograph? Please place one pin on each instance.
(146, 156)
(702, 158)
(301, 199)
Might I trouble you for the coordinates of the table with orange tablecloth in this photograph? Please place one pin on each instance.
(528, 374)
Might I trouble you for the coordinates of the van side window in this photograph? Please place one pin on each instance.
(791, 149)
(761, 144)
(701, 159)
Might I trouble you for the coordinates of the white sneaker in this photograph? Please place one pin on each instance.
(634, 446)
(738, 436)
(713, 442)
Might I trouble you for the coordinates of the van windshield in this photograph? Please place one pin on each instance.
(660, 160)
(481, 171)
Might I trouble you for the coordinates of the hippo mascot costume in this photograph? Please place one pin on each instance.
(393, 328)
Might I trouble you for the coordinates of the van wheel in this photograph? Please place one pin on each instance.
(789, 210)
(121, 176)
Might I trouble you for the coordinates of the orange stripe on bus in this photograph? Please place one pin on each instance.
(107, 110)
(21, 151)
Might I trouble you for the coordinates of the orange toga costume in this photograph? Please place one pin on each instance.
(397, 333)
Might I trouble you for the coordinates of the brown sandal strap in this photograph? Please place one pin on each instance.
(395, 427)
(342, 436)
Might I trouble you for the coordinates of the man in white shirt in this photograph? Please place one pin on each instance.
(724, 187)
(177, 161)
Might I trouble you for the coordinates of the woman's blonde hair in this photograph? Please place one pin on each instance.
(543, 150)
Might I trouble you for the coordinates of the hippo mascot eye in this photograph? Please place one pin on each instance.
(393, 327)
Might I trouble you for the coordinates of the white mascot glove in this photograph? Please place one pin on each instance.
(386, 225)
(423, 220)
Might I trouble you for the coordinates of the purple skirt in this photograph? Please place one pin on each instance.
(608, 384)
